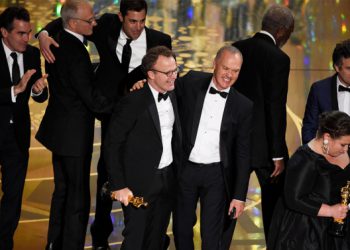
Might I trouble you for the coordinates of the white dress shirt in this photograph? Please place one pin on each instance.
(343, 98)
(138, 49)
(166, 119)
(206, 149)
(10, 63)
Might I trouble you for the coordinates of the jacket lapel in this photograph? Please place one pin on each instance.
(4, 68)
(152, 108)
(334, 93)
(198, 110)
(177, 125)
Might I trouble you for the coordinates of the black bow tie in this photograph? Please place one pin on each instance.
(223, 94)
(163, 96)
(342, 88)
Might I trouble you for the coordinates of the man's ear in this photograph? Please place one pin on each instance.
(120, 16)
(4, 32)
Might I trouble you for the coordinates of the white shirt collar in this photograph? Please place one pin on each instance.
(8, 51)
(141, 38)
(268, 34)
(79, 36)
(340, 83)
(212, 84)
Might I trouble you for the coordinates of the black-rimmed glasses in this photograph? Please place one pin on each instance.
(89, 21)
(168, 73)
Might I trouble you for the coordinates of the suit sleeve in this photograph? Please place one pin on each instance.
(275, 92)
(310, 121)
(52, 27)
(242, 146)
(90, 95)
(5, 96)
(301, 177)
(120, 125)
(38, 74)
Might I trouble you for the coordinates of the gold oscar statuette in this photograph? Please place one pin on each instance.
(135, 200)
(337, 227)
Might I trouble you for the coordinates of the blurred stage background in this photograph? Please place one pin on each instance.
(198, 28)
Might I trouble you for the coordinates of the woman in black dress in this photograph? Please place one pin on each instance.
(314, 177)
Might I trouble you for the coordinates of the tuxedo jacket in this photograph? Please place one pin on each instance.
(264, 80)
(133, 143)
(235, 129)
(19, 110)
(67, 127)
(322, 97)
(110, 75)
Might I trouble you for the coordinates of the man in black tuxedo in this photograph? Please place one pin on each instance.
(142, 152)
(110, 37)
(332, 93)
(20, 74)
(67, 128)
(216, 122)
(264, 80)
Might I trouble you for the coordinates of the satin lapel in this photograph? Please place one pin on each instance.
(4, 68)
(334, 94)
(176, 114)
(230, 106)
(148, 39)
(198, 110)
(26, 61)
(152, 108)
(112, 42)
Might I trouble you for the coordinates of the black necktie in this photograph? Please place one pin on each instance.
(163, 96)
(342, 88)
(15, 69)
(223, 94)
(126, 54)
(85, 41)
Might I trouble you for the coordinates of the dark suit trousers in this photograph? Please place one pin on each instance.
(14, 164)
(145, 227)
(102, 226)
(70, 204)
(271, 191)
(206, 183)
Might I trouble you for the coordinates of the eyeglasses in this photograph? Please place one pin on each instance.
(89, 21)
(168, 73)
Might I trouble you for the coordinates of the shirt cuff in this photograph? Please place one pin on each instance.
(43, 31)
(13, 97)
(35, 94)
(277, 158)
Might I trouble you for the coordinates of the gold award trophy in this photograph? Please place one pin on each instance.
(337, 227)
(135, 201)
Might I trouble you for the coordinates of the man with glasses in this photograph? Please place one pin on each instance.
(67, 128)
(121, 40)
(142, 152)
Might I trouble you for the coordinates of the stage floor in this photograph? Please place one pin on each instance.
(198, 29)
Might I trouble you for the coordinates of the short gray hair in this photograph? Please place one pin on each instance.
(276, 17)
(70, 9)
(229, 48)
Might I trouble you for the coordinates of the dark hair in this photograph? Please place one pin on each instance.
(152, 55)
(335, 123)
(135, 5)
(341, 50)
(10, 14)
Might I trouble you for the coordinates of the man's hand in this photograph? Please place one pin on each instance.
(279, 168)
(122, 195)
(239, 208)
(138, 85)
(45, 41)
(21, 86)
(40, 84)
